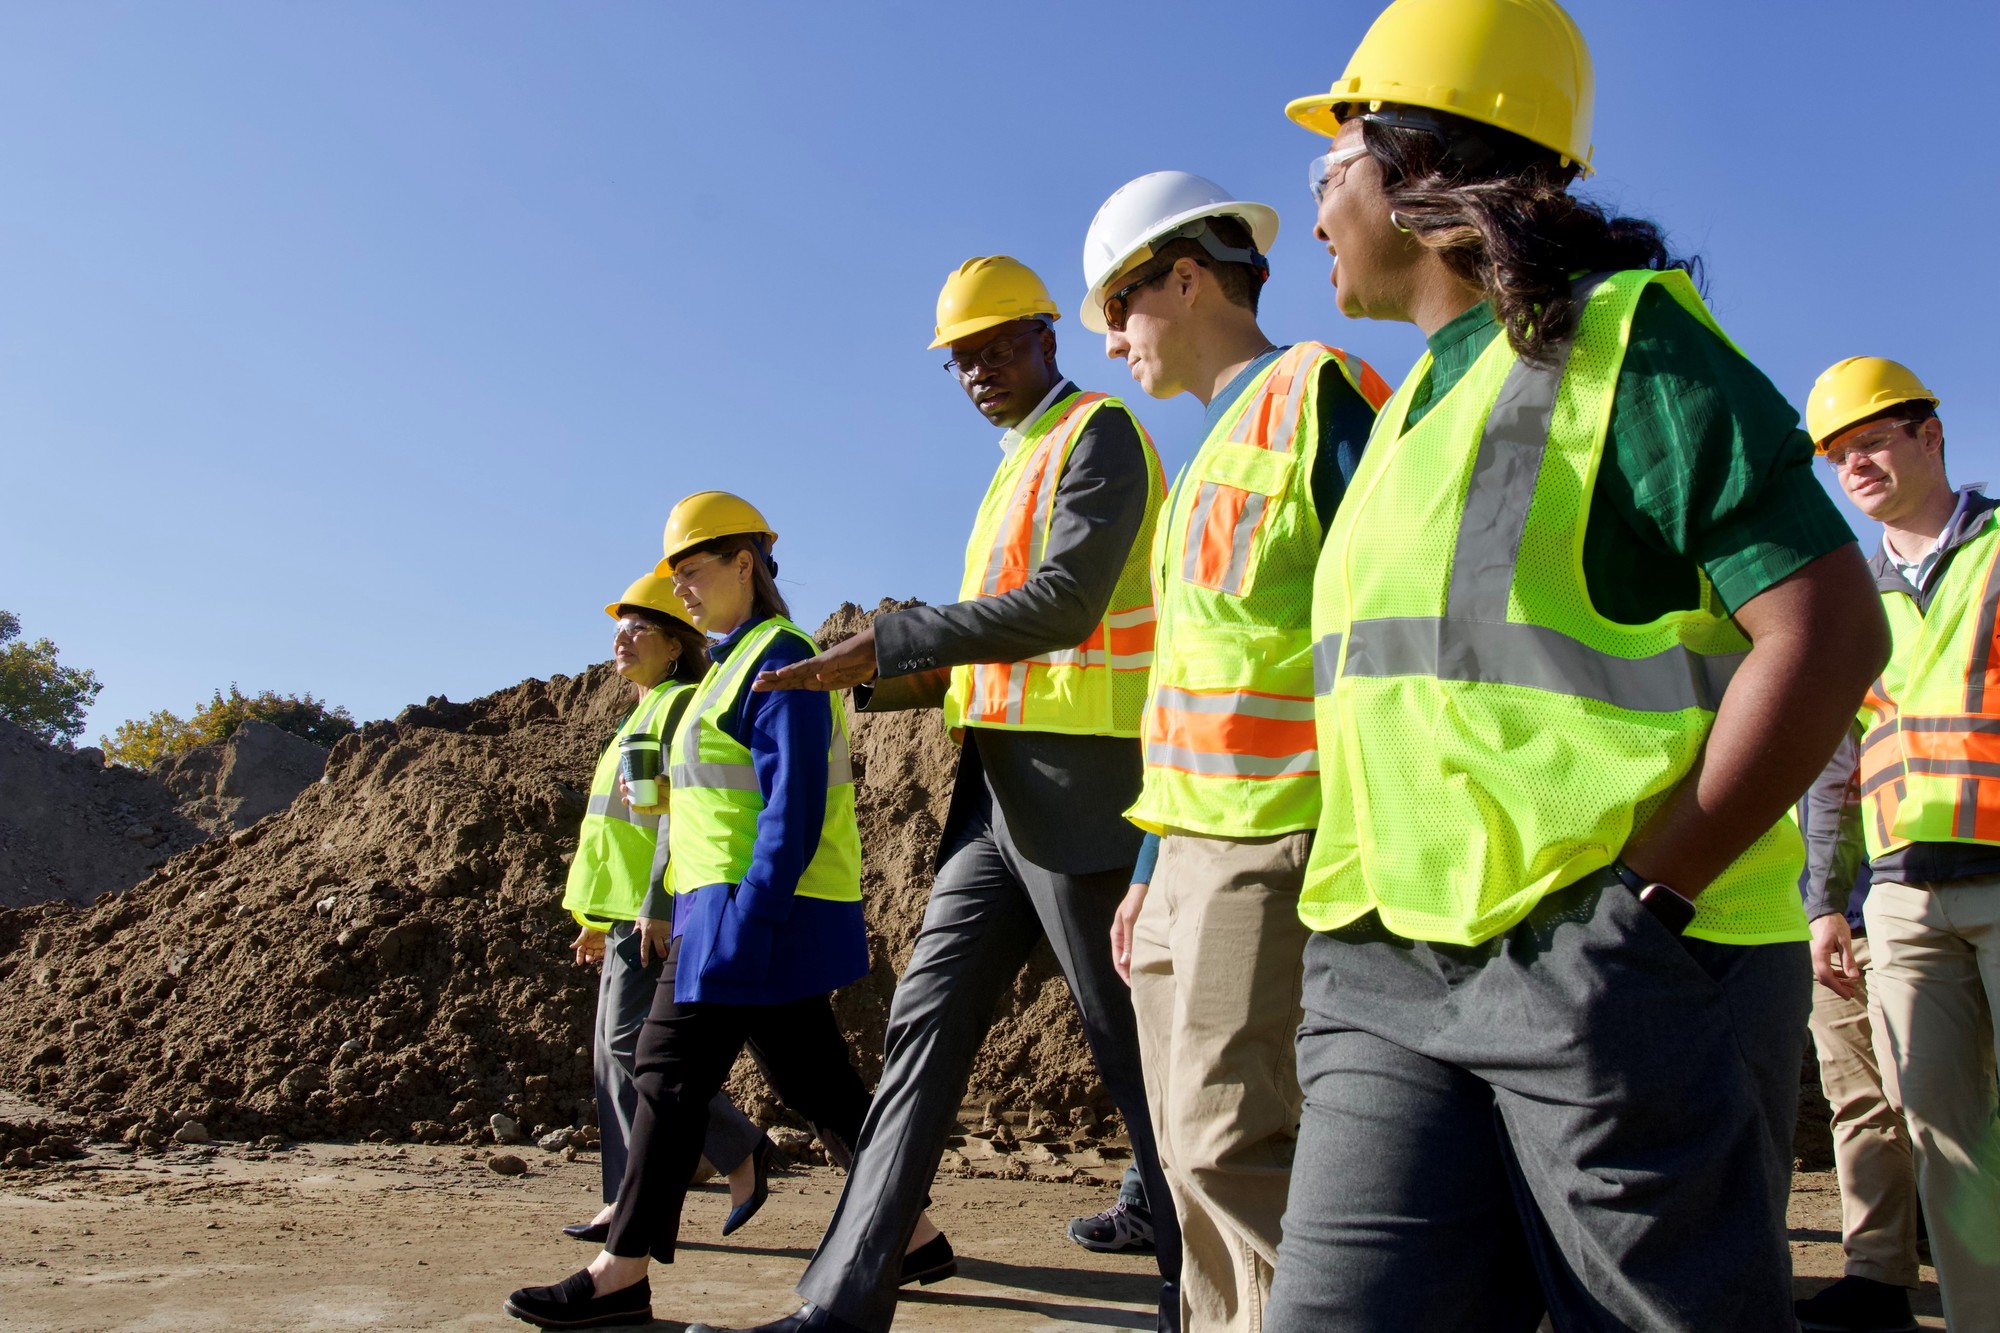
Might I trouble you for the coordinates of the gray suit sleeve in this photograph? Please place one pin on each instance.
(1830, 818)
(1100, 508)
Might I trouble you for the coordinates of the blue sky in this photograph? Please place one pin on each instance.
(362, 348)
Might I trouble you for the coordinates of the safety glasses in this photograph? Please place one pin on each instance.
(1319, 172)
(1118, 305)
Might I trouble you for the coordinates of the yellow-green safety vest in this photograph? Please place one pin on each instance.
(1097, 688)
(614, 848)
(715, 798)
(1486, 737)
(1228, 732)
(1930, 742)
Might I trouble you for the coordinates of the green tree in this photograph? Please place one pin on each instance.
(39, 693)
(144, 742)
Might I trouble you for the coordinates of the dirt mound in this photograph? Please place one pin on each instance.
(259, 770)
(71, 829)
(387, 957)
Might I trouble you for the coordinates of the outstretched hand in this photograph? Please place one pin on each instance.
(848, 663)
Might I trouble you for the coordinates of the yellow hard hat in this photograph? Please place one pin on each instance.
(987, 292)
(1517, 65)
(654, 593)
(1857, 388)
(703, 517)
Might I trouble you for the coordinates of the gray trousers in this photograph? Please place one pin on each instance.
(1585, 1115)
(624, 997)
(989, 907)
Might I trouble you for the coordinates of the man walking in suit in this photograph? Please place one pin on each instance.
(1041, 671)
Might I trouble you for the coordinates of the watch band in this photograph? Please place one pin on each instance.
(1671, 908)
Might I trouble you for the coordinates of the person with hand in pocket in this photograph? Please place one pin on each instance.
(764, 866)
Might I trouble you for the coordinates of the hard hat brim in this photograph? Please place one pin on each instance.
(965, 328)
(1316, 113)
(665, 569)
(1262, 220)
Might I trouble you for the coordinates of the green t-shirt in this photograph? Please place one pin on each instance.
(1704, 462)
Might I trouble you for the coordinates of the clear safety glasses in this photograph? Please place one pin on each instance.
(1319, 172)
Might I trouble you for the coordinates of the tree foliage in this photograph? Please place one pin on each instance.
(145, 742)
(39, 693)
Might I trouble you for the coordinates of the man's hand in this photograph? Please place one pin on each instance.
(588, 946)
(1833, 954)
(655, 938)
(1122, 925)
(848, 663)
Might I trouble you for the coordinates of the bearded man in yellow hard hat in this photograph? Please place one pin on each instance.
(1924, 971)
(1041, 672)
(1585, 628)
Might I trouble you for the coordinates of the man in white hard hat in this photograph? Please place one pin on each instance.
(1213, 947)
(1041, 672)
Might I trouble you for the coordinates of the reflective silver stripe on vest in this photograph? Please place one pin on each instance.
(610, 807)
(714, 777)
(1210, 763)
(1239, 703)
(1537, 658)
(1326, 664)
(1502, 488)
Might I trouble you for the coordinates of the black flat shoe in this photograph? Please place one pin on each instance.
(930, 1262)
(570, 1304)
(760, 1164)
(594, 1232)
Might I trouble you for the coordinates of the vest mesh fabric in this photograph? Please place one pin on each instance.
(608, 875)
(716, 800)
(1486, 737)
(1097, 688)
(1930, 745)
(1229, 744)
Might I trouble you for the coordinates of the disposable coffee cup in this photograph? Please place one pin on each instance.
(639, 763)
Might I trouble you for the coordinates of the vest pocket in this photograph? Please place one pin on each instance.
(1236, 486)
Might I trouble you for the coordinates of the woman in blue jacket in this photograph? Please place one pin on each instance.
(765, 868)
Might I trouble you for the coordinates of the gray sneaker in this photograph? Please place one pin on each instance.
(1122, 1228)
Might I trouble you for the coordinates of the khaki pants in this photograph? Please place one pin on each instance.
(1871, 1147)
(1936, 979)
(1217, 959)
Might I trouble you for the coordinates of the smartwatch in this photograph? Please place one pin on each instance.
(1670, 908)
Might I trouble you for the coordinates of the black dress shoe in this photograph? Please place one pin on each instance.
(930, 1262)
(808, 1318)
(760, 1165)
(594, 1232)
(570, 1304)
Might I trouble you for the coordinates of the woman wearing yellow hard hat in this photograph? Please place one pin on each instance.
(625, 921)
(1571, 630)
(764, 868)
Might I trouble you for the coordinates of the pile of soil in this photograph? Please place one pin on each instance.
(259, 770)
(387, 957)
(71, 828)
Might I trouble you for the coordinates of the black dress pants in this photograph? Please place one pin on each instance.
(684, 1057)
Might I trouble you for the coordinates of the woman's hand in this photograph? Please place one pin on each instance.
(625, 795)
(588, 947)
(655, 938)
(1122, 925)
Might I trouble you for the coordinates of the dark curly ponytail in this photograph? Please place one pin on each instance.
(1498, 211)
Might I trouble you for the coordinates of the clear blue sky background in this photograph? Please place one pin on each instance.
(362, 348)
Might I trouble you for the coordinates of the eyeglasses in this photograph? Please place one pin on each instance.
(993, 355)
(1874, 442)
(632, 627)
(1319, 172)
(686, 574)
(1118, 305)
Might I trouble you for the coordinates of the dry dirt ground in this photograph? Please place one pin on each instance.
(369, 1236)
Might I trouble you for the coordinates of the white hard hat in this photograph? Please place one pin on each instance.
(1148, 210)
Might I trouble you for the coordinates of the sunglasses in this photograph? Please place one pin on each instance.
(1118, 305)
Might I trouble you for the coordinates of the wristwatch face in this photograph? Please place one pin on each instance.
(1668, 907)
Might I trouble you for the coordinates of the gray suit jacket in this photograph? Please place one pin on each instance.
(1064, 797)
